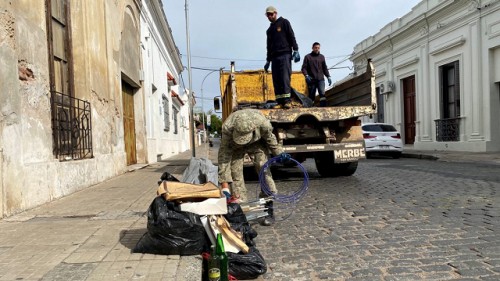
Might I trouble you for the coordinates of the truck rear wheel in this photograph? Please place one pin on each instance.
(327, 167)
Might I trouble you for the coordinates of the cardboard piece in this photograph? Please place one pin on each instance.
(210, 206)
(231, 236)
(208, 229)
(173, 190)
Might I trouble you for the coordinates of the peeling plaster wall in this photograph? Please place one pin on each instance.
(29, 173)
(131, 66)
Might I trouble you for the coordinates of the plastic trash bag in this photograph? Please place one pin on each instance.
(236, 217)
(166, 176)
(201, 170)
(304, 100)
(246, 266)
(172, 232)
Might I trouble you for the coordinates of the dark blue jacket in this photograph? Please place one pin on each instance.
(280, 39)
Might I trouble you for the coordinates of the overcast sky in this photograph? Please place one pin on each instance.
(222, 31)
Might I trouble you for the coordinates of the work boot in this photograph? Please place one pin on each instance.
(287, 105)
(267, 221)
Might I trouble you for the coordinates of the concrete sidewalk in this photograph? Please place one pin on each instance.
(453, 156)
(88, 235)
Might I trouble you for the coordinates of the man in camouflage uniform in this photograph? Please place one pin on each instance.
(246, 131)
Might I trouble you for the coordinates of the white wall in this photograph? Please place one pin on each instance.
(158, 60)
(435, 33)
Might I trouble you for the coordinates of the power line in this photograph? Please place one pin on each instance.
(240, 59)
(207, 69)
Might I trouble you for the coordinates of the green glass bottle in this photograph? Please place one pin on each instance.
(219, 251)
(213, 265)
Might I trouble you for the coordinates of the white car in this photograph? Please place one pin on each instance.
(382, 138)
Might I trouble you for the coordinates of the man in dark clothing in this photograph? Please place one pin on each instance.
(280, 43)
(314, 69)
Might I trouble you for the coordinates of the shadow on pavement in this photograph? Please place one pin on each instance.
(130, 237)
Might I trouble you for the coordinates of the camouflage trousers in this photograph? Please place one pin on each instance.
(258, 153)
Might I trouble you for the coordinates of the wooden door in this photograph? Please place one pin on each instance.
(129, 123)
(380, 106)
(409, 109)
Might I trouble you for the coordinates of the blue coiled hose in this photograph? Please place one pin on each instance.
(287, 199)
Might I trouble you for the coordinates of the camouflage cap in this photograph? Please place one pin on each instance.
(244, 126)
(271, 9)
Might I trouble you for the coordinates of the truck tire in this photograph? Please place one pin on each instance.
(346, 169)
(324, 163)
(327, 167)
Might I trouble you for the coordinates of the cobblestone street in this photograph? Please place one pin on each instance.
(404, 219)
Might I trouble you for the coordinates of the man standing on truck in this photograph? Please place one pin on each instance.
(314, 69)
(280, 43)
(246, 131)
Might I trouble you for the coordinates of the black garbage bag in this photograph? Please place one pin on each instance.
(304, 100)
(166, 176)
(295, 95)
(235, 214)
(246, 266)
(172, 232)
(236, 217)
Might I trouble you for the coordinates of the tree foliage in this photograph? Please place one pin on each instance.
(215, 122)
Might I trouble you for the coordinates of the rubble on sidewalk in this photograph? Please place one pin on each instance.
(185, 218)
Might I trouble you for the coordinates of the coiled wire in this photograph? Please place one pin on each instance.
(292, 198)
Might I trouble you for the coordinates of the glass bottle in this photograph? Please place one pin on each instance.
(221, 253)
(213, 265)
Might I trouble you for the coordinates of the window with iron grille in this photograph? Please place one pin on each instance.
(71, 117)
(166, 114)
(448, 127)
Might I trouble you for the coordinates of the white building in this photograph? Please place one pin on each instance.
(167, 111)
(438, 74)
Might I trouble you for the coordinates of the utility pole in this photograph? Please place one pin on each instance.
(191, 93)
(202, 100)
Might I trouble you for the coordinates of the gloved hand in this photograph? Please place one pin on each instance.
(308, 79)
(226, 193)
(329, 81)
(296, 56)
(284, 157)
(266, 66)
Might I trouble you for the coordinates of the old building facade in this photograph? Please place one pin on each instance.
(438, 74)
(74, 106)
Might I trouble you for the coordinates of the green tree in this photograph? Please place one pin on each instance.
(215, 124)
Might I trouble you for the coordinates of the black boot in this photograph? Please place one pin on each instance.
(269, 220)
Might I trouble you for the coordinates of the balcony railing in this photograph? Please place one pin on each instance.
(71, 127)
(448, 129)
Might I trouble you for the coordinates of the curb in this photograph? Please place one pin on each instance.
(419, 156)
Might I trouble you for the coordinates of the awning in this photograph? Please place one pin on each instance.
(171, 78)
(173, 94)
